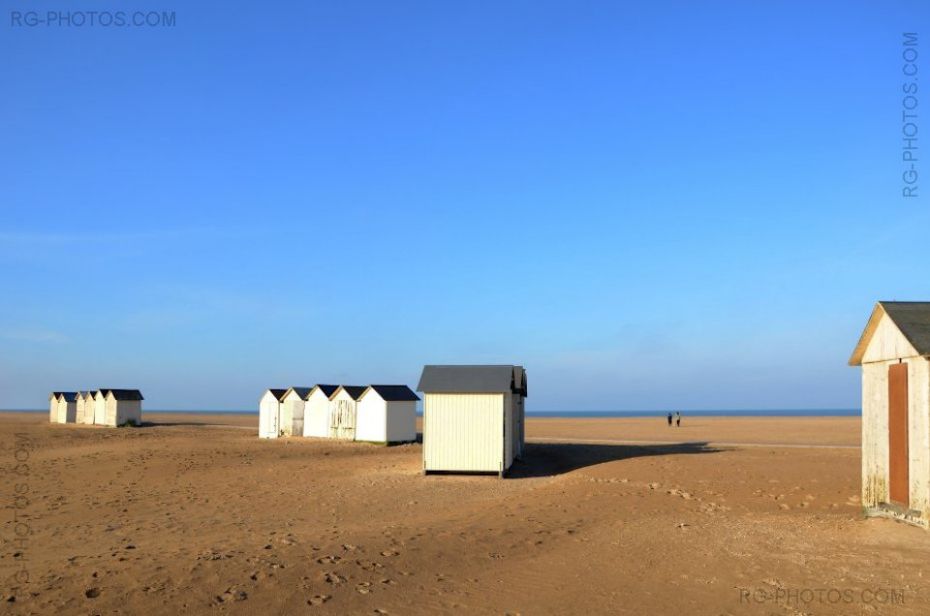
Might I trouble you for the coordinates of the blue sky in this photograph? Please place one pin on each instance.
(649, 204)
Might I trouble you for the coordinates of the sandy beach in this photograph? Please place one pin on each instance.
(194, 514)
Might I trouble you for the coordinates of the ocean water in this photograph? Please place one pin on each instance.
(596, 414)
(701, 413)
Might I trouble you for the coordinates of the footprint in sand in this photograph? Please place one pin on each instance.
(318, 599)
(333, 578)
(363, 588)
(390, 553)
(329, 560)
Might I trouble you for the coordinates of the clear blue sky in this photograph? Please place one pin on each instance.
(649, 204)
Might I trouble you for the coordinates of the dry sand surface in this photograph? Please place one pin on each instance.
(194, 514)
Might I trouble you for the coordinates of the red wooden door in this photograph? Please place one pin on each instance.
(898, 483)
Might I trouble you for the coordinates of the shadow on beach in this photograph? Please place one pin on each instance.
(549, 459)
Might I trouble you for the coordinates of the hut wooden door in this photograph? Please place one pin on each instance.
(342, 425)
(898, 475)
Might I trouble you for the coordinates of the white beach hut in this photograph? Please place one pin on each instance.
(342, 411)
(67, 406)
(269, 408)
(80, 406)
(53, 406)
(894, 353)
(473, 417)
(123, 406)
(316, 410)
(387, 414)
(89, 407)
(291, 422)
(100, 407)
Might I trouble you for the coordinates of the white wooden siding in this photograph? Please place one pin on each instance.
(342, 416)
(887, 343)
(268, 416)
(316, 415)
(100, 409)
(463, 432)
(66, 411)
(385, 422)
(292, 407)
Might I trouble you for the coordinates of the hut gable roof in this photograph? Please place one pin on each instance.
(473, 379)
(277, 393)
(54, 395)
(68, 396)
(327, 390)
(355, 391)
(303, 392)
(911, 318)
(124, 394)
(393, 393)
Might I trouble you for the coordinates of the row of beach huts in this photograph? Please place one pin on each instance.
(473, 416)
(102, 407)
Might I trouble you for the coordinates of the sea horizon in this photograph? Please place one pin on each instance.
(630, 414)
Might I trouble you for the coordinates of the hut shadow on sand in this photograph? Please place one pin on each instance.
(550, 459)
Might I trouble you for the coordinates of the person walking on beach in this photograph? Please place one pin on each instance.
(669, 419)
(678, 418)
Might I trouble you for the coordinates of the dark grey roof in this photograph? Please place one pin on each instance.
(54, 394)
(328, 390)
(473, 379)
(124, 394)
(303, 392)
(353, 390)
(278, 393)
(395, 393)
(913, 319)
(69, 396)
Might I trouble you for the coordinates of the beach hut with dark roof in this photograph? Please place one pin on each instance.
(269, 407)
(80, 415)
(343, 405)
(316, 410)
(123, 407)
(292, 411)
(67, 406)
(100, 407)
(53, 406)
(387, 414)
(473, 418)
(894, 354)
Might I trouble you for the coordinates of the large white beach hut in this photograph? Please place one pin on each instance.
(269, 409)
(67, 406)
(316, 410)
(291, 422)
(894, 353)
(342, 411)
(123, 406)
(100, 407)
(53, 406)
(387, 414)
(473, 417)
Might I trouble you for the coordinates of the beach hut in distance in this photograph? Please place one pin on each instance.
(123, 406)
(100, 407)
(81, 407)
(89, 404)
(291, 422)
(342, 411)
(269, 413)
(53, 406)
(316, 410)
(386, 414)
(894, 353)
(67, 406)
(473, 418)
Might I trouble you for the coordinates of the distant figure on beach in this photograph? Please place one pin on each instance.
(670, 420)
(677, 419)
